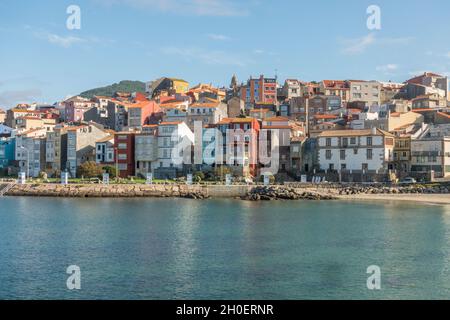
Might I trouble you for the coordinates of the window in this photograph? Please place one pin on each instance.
(331, 167)
(365, 166)
(328, 154)
(343, 166)
(355, 151)
(328, 142)
(122, 156)
(352, 140)
(345, 142)
(369, 154)
(122, 146)
(369, 141)
(342, 154)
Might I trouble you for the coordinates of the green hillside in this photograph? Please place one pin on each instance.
(122, 86)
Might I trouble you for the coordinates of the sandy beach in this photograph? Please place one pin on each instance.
(422, 198)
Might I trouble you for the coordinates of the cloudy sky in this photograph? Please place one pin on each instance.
(209, 40)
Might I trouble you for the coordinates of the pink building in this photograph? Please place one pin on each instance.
(76, 107)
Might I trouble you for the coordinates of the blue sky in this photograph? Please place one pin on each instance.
(209, 40)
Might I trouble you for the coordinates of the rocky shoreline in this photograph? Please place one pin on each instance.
(413, 189)
(271, 193)
(249, 193)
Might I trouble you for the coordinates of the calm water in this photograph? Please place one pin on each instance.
(187, 249)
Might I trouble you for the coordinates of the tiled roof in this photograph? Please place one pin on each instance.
(353, 133)
(105, 139)
(172, 123)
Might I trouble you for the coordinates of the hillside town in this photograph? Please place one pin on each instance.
(331, 130)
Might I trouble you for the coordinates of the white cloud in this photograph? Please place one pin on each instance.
(388, 68)
(218, 37)
(11, 98)
(195, 7)
(360, 45)
(210, 57)
(65, 42)
(62, 41)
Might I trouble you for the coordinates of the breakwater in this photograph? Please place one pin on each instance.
(197, 191)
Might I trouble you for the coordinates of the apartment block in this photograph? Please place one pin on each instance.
(81, 145)
(368, 92)
(355, 150)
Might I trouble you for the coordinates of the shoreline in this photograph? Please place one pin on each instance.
(241, 192)
(435, 199)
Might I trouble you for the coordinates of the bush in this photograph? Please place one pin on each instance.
(199, 176)
(111, 170)
(90, 169)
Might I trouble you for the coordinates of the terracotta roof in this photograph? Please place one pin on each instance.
(423, 110)
(344, 133)
(236, 120)
(30, 118)
(443, 114)
(277, 119)
(205, 105)
(325, 116)
(276, 127)
(168, 123)
(105, 139)
(335, 84)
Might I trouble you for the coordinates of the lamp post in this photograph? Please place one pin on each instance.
(28, 160)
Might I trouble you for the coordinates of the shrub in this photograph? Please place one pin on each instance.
(90, 169)
(111, 170)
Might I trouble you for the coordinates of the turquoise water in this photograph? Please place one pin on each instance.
(227, 249)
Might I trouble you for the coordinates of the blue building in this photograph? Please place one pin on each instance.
(7, 152)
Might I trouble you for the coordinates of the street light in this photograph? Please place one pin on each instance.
(28, 159)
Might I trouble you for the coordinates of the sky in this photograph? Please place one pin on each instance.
(208, 41)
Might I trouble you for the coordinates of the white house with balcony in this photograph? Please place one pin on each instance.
(368, 150)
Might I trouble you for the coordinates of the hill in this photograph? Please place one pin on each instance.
(122, 86)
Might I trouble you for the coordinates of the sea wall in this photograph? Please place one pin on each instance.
(108, 191)
(128, 190)
(292, 191)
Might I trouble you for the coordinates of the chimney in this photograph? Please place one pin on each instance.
(374, 131)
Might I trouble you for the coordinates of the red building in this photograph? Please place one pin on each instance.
(142, 113)
(261, 90)
(124, 153)
(240, 145)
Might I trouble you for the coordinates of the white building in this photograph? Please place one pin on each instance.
(104, 150)
(367, 91)
(431, 151)
(31, 152)
(81, 145)
(355, 150)
(175, 111)
(175, 142)
(146, 152)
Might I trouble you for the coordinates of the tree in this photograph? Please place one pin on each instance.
(90, 169)
(111, 170)
(199, 176)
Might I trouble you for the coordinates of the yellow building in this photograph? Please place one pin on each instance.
(179, 85)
